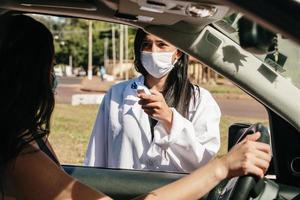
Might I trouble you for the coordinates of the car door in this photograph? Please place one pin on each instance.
(120, 183)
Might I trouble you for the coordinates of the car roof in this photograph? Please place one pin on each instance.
(123, 11)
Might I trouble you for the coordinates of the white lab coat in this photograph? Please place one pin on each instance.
(121, 136)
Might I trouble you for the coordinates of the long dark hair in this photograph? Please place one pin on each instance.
(178, 90)
(27, 99)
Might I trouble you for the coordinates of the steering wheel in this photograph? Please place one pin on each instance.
(244, 184)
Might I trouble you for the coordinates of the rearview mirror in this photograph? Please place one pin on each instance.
(254, 38)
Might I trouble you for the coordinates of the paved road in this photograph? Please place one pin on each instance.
(233, 107)
(242, 108)
(69, 81)
(66, 88)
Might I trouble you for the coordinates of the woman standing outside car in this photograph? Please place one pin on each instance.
(174, 126)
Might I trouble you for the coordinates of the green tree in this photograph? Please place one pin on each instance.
(71, 39)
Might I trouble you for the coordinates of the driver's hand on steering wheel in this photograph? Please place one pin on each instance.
(247, 157)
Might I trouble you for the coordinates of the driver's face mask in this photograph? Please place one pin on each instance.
(158, 64)
(54, 81)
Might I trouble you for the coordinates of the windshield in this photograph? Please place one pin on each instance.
(285, 60)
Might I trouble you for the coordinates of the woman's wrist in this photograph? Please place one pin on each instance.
(167, 122)
(222, 169)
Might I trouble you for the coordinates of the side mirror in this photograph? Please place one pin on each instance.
(254, 38)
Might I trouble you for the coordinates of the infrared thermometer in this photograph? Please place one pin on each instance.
(143, 89)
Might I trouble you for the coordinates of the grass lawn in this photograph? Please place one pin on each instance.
(222, 89)
(72, 125)
(71, 128)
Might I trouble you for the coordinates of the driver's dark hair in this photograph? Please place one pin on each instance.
(27, 99)
(178, 90)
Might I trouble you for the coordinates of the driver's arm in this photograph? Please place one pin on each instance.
(247, 157)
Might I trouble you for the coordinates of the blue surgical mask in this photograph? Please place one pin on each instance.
(54, 81)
